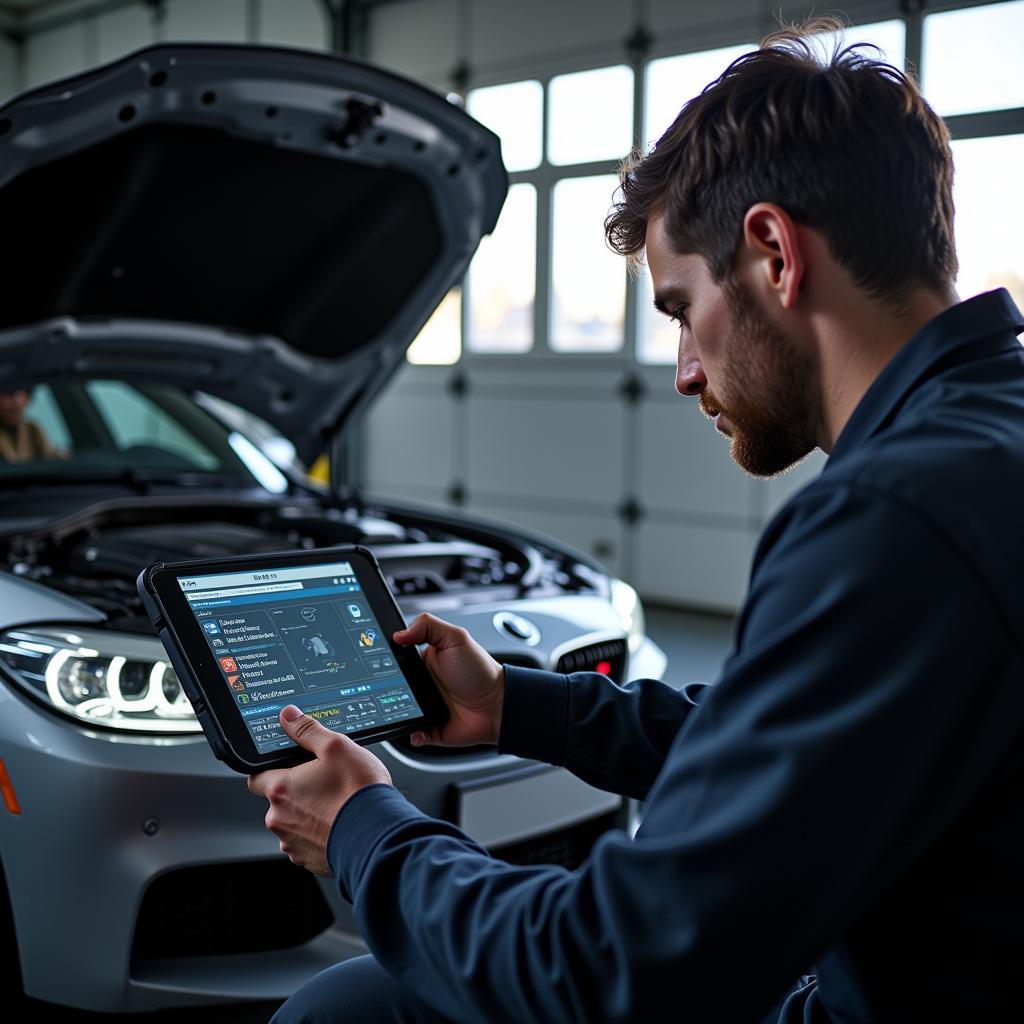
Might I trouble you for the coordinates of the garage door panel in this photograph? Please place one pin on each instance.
(409, 440)
(684, 464)
(294, 23)
(225, 21)
(120, 31)
(699, 565)
(543, 448)
(501, 30)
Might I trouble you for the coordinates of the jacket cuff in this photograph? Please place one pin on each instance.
(364, 819)
(534, 715)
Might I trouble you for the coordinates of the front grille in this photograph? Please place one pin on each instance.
(245, 907)
(586, 659)
(568, 847)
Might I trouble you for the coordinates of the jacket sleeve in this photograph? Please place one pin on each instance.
(814, 773)
(614, 737)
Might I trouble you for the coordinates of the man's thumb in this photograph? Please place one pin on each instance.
(306, 731)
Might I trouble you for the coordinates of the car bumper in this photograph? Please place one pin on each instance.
(106, 817)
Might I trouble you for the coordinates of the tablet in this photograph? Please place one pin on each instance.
(247, 636)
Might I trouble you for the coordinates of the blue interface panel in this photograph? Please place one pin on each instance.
(303, 636)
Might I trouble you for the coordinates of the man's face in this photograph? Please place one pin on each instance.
(12, 407)
(758, 384)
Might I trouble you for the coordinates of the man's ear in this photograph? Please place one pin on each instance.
(774, 244)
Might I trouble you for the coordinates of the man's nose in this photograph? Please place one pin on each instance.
(690, 379)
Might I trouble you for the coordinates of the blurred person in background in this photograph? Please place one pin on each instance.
(22, 440)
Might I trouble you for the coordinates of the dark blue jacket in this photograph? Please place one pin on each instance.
(848, 795)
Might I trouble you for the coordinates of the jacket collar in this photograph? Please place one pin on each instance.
(983, 325)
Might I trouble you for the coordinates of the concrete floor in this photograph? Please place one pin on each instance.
(695, 643)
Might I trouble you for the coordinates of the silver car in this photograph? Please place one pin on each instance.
(197, 238)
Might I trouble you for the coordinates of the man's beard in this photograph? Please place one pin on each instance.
(772, 403)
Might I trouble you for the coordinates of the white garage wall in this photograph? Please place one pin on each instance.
(55, 53)
(120, 31)
(293, 23)
(100, 32)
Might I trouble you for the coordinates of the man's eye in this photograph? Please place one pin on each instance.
(679, 313)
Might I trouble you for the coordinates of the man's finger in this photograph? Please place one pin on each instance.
(260, 782)
(306, 731)
(428, 629)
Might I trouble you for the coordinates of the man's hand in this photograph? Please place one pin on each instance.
(305, 800)
(470, 680)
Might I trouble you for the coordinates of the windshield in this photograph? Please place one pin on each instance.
(96, 429)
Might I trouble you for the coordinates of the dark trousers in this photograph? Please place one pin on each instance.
(356, 990)
(360, 990)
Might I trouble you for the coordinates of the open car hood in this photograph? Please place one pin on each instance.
(268, 225)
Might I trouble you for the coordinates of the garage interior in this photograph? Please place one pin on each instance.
(540, 393)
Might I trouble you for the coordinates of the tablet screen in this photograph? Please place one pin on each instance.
(305, 636)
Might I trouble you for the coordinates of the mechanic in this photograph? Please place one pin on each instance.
(833, 830)
(21, 440)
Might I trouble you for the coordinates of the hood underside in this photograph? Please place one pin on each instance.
(271, 226)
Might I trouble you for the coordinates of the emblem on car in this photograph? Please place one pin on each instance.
(516, 627)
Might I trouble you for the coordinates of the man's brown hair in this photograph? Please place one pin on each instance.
(842, 141)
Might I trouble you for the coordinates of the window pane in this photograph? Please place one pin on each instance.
(988, 228)
(972, 58)
(672, 81)
(440, 340)
(44, 411)
(588, 292)
(514, 113)
(657, 337)
(889, 36)
(590, 115)
(502, 279)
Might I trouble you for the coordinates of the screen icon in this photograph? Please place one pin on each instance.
(211, 626)
(235, 682)
(228, 664)
(218, 643)
(355, 611)
(309, 614)
(367, 638)
(243, 698)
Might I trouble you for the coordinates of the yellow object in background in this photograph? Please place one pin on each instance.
(320, 471)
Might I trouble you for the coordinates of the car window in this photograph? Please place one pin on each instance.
(45, 413)
(137, 423)
(72, 430)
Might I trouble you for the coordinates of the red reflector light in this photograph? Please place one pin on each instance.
(604, 667)
(8, 791)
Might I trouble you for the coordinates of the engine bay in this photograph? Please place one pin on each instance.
(96, 552)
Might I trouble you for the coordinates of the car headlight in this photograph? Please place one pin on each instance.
(626, 602)
(118, 680)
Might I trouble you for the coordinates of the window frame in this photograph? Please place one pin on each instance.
(979, 124)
